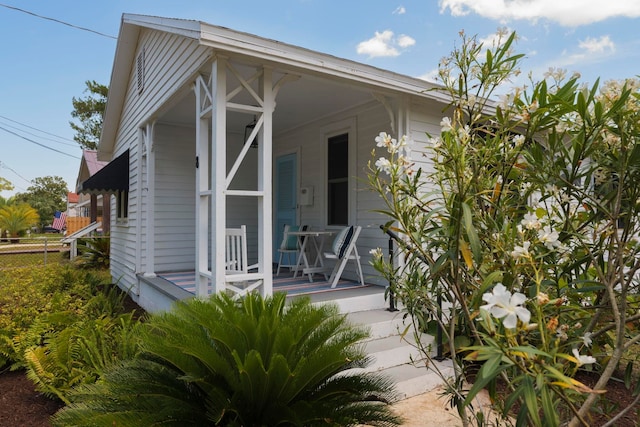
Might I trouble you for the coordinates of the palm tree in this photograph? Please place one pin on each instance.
(16, 218)
(252, 362)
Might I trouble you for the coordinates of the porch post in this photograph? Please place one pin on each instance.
(204, 197)
(147, 151)
(265, 171)
(219, 172)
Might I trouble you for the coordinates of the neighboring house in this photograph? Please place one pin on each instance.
(91, 206)
(73, 210)
(208, 128)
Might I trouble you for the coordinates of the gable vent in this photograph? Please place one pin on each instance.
(140, 70)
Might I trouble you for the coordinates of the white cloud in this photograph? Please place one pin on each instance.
(590, 50)
(384, 44)
(405, 41)
(601, 45)
(400, 10)
(570, 13)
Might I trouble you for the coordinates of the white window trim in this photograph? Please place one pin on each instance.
(120, 195)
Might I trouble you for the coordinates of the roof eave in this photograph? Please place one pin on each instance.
(227, 40)
(124, 57)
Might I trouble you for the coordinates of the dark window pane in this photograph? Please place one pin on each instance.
(338, 180)
(338, 203)
(339, 157)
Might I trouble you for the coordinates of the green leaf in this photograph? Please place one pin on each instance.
(628, 372)
(551, 418)
(636, 389)
(489, 371)
(531, 401)
(472, 235)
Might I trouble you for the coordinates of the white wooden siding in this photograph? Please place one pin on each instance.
(174, 234)
(423, 121)
(169, 61)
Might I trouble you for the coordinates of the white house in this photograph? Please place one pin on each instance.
(208, 128)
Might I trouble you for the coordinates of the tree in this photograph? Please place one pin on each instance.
(47, 195)
(17, 218)
(249, 362)
(90, 112)
(5, 184)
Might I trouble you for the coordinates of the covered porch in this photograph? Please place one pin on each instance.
(260, 147)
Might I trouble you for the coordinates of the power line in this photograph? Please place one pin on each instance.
(58, 21)
(38, 136)
(34, 128)
(37, 143)
(5, 166)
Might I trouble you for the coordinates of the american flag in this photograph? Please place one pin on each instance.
(59, 220)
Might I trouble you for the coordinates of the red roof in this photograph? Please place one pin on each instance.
(72, 197)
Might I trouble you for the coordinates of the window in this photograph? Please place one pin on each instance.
(338, 180)
(122, 205)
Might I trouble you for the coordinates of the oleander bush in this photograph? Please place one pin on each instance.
(526, 226)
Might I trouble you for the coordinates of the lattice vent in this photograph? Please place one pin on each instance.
(140, 70)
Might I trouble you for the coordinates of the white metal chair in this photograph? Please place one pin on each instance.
(344, 249)
(289, 248)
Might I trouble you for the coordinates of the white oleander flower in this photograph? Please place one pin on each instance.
(383, 139)
(502, 304)
(521, 251)
(445, 124)
(518, 140)
(549, 237)
(376, 252)
(435, 142)
(583, 360)
(530, 221)
(383, 164)
(586, 339)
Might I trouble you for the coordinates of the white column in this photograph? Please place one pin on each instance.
(219, 172)
(148, 193)
(265, 172)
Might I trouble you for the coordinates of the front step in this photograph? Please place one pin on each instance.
(397, 357)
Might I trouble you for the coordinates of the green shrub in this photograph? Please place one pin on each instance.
(94, 252)
(239, 363)
(80, 352)
(66, 348)
(28, 293)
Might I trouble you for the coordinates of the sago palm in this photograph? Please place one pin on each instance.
(253, 362)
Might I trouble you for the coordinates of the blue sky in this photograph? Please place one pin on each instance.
(44, 63)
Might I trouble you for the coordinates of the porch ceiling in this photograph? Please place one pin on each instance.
(298, 102)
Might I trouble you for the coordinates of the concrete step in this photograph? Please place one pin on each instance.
(394, 350)
(398, 356)
(412, 380)
(354, 300)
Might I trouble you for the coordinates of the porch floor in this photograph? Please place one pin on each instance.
(186, 280)
(157, 293)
